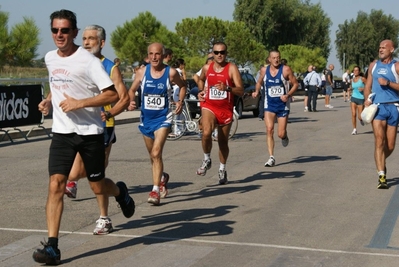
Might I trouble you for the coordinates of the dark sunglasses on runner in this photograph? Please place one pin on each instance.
(219, 52)
(63, 30)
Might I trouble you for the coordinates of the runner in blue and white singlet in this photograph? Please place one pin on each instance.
(274, 89)
(155, 98)
(383, 82)
(155, 84)
(273, 79)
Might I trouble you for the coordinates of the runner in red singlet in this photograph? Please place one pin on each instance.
(218, 83)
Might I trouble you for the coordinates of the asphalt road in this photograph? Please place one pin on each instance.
(319, 206)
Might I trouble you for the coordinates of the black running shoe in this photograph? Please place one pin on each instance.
(47, 255)
(126, 203)
(223, 177)
(382, 182)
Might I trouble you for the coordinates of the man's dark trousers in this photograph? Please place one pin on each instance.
(312, 97)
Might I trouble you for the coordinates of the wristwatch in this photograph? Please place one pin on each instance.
(228, 88)
(108, 115)
(388, 83)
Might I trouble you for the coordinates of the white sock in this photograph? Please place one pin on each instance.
(381, 173)
(155, 188)
(222, 167)
(207, 156)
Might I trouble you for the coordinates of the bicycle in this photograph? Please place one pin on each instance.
(183, 123)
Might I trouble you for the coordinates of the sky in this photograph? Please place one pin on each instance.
(113, 13)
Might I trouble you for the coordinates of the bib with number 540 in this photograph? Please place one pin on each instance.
(154, 102)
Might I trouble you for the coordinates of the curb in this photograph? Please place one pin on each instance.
(15, 133)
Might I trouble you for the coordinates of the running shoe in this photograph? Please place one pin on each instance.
(271, 162)
(163, 189)
(126, 203)
(222, 177)
(362, 122)
(154, 198)
(48, 255)
(103, 226)
(382, 182)
(354, 132)
(71, 189)
(206, 165)
(285, 141)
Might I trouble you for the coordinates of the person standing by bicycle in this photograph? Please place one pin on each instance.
(218, 83)
(155, 82)
(273, 79)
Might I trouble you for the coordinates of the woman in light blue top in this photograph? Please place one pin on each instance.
(357, 99)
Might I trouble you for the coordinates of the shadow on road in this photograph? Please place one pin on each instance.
(181, 224)
(306, 159)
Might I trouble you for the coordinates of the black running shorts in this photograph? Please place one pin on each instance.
(63, 150)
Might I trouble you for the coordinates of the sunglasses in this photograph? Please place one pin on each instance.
(63, 30)
(223, 52)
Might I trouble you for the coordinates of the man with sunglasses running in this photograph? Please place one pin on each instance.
(79, 88)
(273, 79)
(218, 83)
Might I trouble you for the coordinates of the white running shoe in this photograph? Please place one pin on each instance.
(271, 162)
(354, 132)
(329, 106)
(103, 226)
(206, 165)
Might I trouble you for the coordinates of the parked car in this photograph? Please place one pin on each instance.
(242, 104)
(247, 102)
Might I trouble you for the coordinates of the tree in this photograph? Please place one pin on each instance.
(3, 37)
(199, 34)
(243, 49)
(23, 43)
(19, 46)
(299, 57)
(358, 40)
(277, 22)
(131, 40)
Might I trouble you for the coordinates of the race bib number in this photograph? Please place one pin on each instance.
(216, 94)
(275, 91)
(154, 102)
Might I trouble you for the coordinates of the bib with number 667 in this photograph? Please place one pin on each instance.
(275, 91)
(216, 94)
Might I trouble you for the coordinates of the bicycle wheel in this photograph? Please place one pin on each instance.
(234, 125)
(233, 128)
(178, 126)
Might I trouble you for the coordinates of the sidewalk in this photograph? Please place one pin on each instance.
(25, 132)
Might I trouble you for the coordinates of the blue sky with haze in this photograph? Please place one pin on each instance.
(111, 14)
